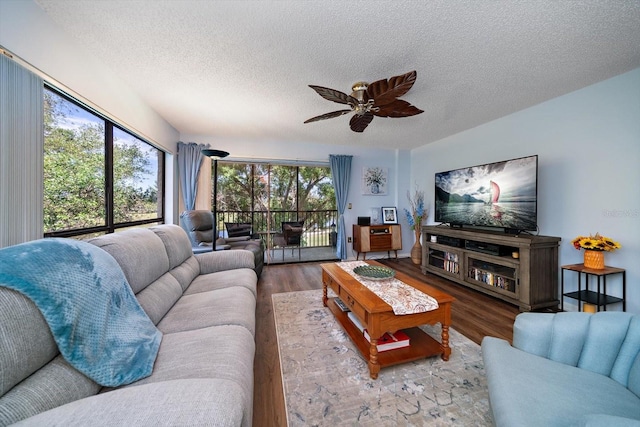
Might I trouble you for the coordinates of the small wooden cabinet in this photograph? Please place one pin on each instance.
(521, 269)
(376, 238)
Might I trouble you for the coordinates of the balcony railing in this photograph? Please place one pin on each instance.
(318, 225)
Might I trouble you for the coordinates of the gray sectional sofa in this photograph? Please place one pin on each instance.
(204, 307)
(566, 369)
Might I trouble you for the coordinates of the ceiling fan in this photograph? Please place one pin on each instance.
(379, 98)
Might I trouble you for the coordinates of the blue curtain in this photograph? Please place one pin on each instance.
(341, 174)
(189, 161)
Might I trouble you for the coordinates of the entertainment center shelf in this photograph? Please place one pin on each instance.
(520, 269)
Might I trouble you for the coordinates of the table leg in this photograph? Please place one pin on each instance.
(624, 291)
(324, 293)
(446, 350)
(374, 366)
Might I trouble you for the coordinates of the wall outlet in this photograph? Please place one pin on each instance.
(349, 239)
(349, 206)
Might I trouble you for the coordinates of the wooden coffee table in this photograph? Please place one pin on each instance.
(377, 317)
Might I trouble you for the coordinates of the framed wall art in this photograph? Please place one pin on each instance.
(374, 181)
(389, 215)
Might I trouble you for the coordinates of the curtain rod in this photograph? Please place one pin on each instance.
(295, 162)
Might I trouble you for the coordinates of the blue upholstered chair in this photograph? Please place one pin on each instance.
(566, 369)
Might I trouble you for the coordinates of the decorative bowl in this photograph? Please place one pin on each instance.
(374, 272)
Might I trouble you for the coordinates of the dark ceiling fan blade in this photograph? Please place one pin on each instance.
(358, 123)
(386, 91)
(397, 108)
(330, 115)
(335, 95)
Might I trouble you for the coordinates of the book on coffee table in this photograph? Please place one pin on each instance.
(341, 305)
(389, 341)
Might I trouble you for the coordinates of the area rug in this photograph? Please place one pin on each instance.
(326, 380)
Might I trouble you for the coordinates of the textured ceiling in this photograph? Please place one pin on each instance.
(242, 68)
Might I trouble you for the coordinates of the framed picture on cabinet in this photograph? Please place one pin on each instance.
(389, 215)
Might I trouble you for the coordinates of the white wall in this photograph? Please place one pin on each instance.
(588, 143)
(26, 31)
(397, 161)
(29, 33)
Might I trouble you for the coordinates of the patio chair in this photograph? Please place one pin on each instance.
(238, 229)
(291, 236)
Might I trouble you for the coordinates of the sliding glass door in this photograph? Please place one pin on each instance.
(268, 194)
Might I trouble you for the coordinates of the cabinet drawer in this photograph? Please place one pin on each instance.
(353, 305)
(380, 241)
(330, 283)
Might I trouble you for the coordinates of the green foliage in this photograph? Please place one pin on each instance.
(261, 187)
(75, 194)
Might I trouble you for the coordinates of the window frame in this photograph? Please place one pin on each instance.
(110, 225)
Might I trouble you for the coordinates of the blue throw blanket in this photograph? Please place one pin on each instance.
(99, 327)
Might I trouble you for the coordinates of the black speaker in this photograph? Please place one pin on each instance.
(364, 220)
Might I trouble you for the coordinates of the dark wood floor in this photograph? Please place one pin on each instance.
(473, 314)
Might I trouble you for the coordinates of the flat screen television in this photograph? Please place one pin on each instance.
(501, 194)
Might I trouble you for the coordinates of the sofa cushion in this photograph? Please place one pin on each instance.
(230, 306)
(189, 402)
(221, 352)
(212, 262)
(606, 343)
(158, 298)
(627, 367)
(140, 253)
(55, 384)
(527, 390)
(600, 420)
(186, 272)
(224, 279)
(142, 256)
(224, 352)
(607, 333)
(33, 376)
(176, 243)
(27, 343)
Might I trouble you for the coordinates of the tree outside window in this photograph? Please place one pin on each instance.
(85, 156)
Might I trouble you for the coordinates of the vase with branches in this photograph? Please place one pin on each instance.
(416, 216)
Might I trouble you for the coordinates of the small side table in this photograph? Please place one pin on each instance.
(598, 298)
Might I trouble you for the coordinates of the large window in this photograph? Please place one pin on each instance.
(268, 194)
(98, 177)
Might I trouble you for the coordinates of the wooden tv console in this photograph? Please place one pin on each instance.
(520, 269)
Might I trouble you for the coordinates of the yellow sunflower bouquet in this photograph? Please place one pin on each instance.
(595, 243)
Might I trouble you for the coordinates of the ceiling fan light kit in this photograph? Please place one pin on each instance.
(379, 98)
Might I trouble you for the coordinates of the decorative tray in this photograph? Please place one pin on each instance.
(374, 272)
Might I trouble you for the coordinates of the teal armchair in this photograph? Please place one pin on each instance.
(566, 369)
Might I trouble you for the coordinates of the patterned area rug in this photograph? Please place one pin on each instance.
(326, 380)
